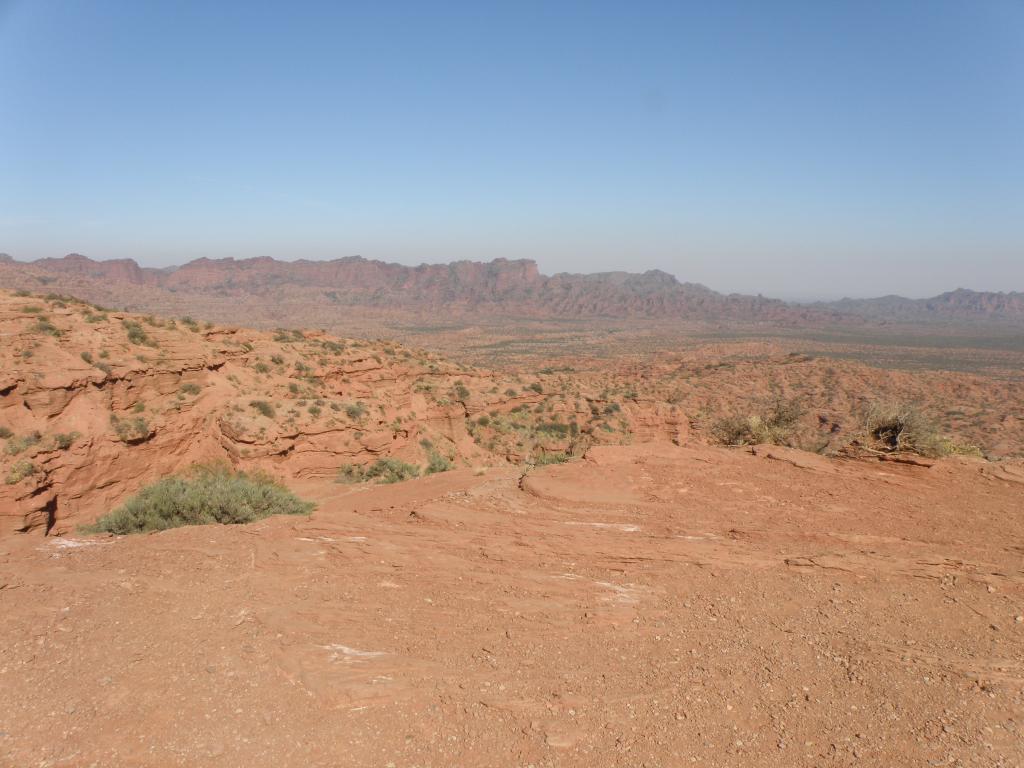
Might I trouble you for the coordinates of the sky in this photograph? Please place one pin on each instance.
(794, 149)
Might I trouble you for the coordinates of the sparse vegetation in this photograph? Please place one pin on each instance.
(190, 388)
(204, 495)
(382, 471)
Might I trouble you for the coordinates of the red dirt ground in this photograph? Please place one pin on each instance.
(648, 605)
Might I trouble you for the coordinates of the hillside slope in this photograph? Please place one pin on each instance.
(95, 404)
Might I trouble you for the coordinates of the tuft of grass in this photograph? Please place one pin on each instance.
(190, 388)
(20, 471)
(204, 495)
(87, 357)
(382, 471)
(5, 433)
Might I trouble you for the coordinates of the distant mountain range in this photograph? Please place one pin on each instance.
(266, 286)
(952, 306)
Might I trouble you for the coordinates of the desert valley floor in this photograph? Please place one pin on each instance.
(650, 605)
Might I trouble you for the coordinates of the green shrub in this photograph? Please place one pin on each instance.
(45, 326)
(261, 368)
(65, 440)
(382, 471)
(190, 388)
(97, 318)
(32, 309)
(87, 357)
(536, 387)
(16, 445)
(277, 360)
(20, 471)
(314, 411)
(355, 411)
(137, 334)
(263, 407)
(133, 430)
(436, 463)
(204, 495)
(5, 433)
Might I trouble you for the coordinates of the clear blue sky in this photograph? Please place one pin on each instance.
(792, 148)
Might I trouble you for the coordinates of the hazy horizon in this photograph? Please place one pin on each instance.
(797, 150)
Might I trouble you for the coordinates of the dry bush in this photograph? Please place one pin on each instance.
(903, 427)
(774, 425)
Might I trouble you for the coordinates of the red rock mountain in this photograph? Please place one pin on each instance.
(497, 287)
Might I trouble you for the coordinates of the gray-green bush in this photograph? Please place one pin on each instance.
(203, 495)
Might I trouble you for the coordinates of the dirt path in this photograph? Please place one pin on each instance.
(652, 606)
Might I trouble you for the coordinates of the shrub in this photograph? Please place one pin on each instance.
(137, 334)
(190, 388)
(383, 471)
(45, 326)
(87, 357)
(16, 445)
(436, 462)
(97, 318)
(277, 360)
(355, 411)
(20, 471)
(261, 368)
(65, 440)
(203, 495)
(133, 430)
(894, 427)
(461, 392)
(32, 309)
(263, 407)
(774, 426)
(551, 458)
(536, 387)
(5, 433)
(314, 411)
